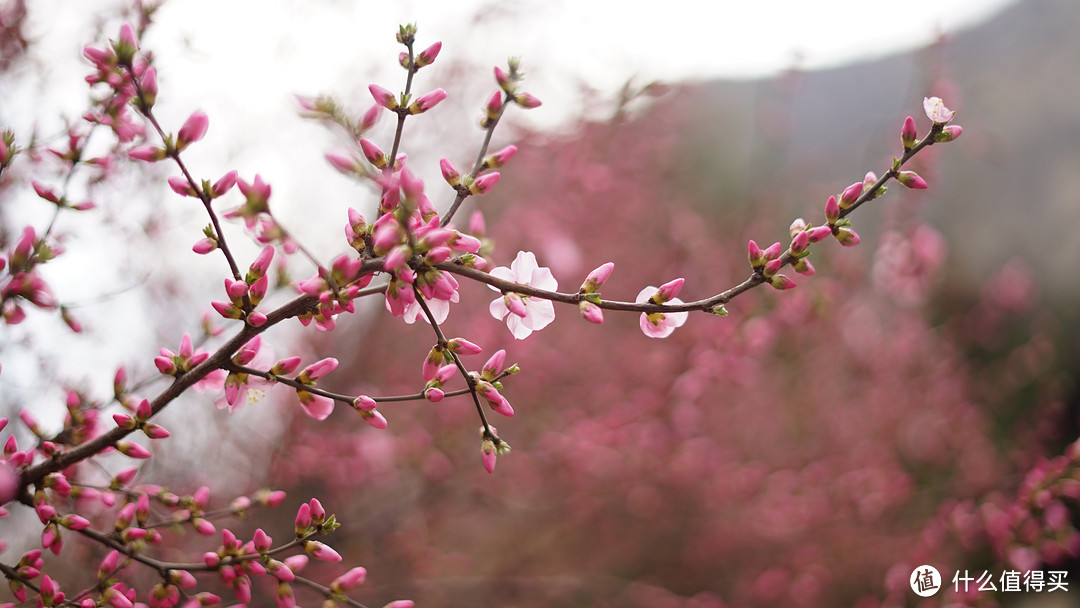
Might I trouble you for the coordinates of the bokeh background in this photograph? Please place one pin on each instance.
(810, 449)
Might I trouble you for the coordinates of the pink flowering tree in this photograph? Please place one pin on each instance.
(123, 540)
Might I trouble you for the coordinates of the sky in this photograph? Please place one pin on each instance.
(242, 62)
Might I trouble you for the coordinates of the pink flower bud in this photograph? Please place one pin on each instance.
(803, 266)
(754, 254)
(127, 36)
(132, 450)
(46, 192)
(383, 97)
(201, 497)
(500, 158)
(487, 455)
(147, 153)
(818, 233)
(155, 431)
(668, 291)
(869, 180)
(494, 105)
(369, 118)
(204, 246)
(908, 134)
(193, 130)
(800, 242)
(850, 195)
(124, 421)
(223, 185)
(484, 183)
(503, 79)
(773, 266)
(781, 282)
(450, 173)
(847, 237)
(350, 579)
(319, 368)
(597, 277)
(515, 304)
(911, 180)
(591, 312)
(321, 551)
(428, 55)
(149, 85)
(426, 102)
(773, 251)
(462, 346)
(949, 133)
(494, 365)
(318, 513)
(181, 186)
(303, 519)
(526, 100)
(832, 210)
(375, 419)
(372, 152)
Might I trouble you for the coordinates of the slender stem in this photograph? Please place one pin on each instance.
(462, 193)
(469, 380)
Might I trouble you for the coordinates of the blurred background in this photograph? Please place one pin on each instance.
(898, 408)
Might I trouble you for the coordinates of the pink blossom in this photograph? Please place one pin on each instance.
(936, 110)
(659, 324)
(538, 313)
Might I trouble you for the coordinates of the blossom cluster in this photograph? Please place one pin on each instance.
(404, 250)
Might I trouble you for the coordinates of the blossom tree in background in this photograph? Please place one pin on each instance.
(123, 540)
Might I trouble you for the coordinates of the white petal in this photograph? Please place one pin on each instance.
(517, 327)
(504, 273)
(543, 279)
(523, 266)
(498, 308)
(645, 294)
(540, 313)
